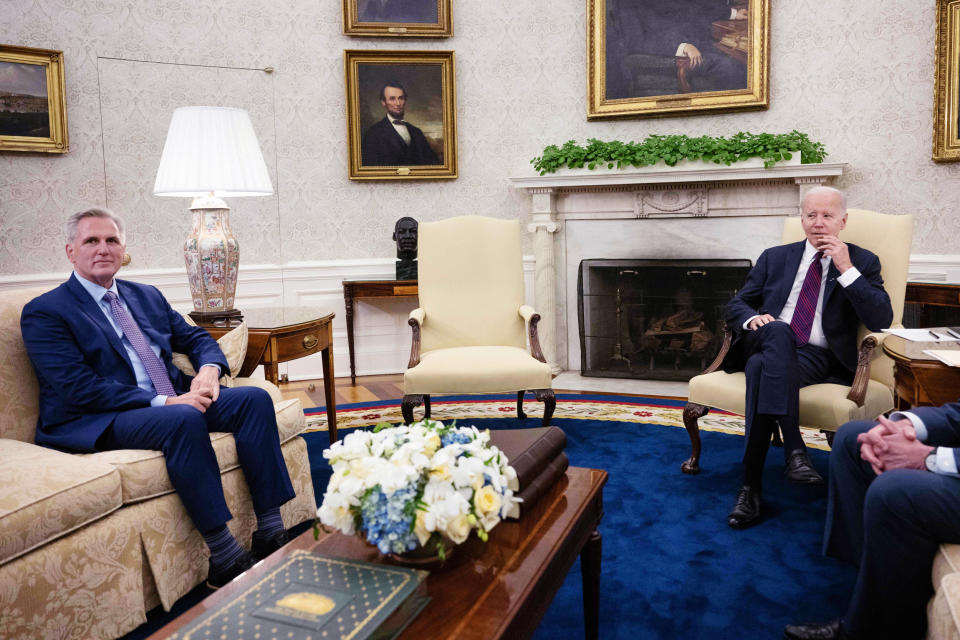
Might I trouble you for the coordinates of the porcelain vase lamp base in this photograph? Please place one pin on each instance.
(212, 257)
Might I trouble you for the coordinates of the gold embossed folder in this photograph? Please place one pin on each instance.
(311, 596)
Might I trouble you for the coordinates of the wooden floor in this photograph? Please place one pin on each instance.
(372, 388)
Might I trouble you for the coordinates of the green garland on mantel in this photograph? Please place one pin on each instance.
(671, 149)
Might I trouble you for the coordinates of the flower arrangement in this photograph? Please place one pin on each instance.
(407, 487)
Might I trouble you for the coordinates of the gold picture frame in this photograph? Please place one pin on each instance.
(642, 61)
(33, 104)
(398, 18)
(946, 137)
(401, 115)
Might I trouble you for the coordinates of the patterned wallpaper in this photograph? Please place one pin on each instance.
(858, 77)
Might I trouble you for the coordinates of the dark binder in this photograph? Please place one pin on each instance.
(549, 476)
(529, 451)
(312, 596)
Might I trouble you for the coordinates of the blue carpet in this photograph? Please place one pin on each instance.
(672, 568)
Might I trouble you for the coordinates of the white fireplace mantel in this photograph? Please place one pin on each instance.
(699, 211)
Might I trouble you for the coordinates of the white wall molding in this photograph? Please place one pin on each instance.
(381, 333)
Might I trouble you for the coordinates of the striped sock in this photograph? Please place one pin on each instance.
(269, 523)
(224, 548)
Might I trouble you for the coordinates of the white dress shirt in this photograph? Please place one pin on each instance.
(845, 279)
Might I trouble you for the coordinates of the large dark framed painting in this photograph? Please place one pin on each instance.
(401, 115)
(946, 92)
(33, 107)
(670, 57)
(398, 18)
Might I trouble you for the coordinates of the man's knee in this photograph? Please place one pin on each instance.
(891, 495)
(777, 331)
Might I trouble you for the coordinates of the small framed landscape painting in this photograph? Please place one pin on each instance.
(398, 18)
(33, 108)
(401, 115)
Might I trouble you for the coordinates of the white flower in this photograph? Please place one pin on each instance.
(335, 512)
(486, 500)
(458, 529)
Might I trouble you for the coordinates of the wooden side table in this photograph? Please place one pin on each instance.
(919, 379)
(355, 289)
(281, 334)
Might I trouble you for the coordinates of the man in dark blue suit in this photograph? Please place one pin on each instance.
(795, 324)
(101, 349)
(393, 141)
(894, 498)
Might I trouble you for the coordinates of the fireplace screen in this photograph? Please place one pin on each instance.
(653, 319)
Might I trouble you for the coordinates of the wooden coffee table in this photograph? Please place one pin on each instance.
(500, 589)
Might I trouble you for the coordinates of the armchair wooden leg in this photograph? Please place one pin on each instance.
(549, 403)
(520, 414)
(406, 407)
(777, 440)
(691, 413)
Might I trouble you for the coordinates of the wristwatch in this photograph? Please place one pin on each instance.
(931, 461)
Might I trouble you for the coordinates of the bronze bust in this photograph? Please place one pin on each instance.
(405, 235)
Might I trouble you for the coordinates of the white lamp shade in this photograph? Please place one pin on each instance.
(211, 150)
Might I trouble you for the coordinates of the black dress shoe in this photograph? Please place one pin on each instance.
(810, 631)
(746, 509)
(800, 469)
(219, 576)
(264, 545)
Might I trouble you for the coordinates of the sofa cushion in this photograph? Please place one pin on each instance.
(234, 347)
(143, 473)
(55, 494)
(19, 392)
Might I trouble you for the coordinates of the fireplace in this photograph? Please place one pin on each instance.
(653, 319)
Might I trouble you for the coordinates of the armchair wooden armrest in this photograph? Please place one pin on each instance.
(858, 390)
(724, 348)
(417, 316)
(531, 318)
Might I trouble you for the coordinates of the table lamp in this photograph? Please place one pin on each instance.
(211, 153)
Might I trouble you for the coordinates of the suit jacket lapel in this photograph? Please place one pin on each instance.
(91, 309)
(791, 263)
(832, 274)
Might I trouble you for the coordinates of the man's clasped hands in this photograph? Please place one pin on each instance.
(893, 444)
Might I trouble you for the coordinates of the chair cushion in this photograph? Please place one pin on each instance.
(822, 406)
(143, 473)
(63, 493)
(476, 370)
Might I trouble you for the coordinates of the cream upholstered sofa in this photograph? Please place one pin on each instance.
(90, 542)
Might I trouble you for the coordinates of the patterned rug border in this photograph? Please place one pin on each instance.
(635, 409)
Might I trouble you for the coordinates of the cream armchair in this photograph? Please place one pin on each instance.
(823, 406)
(471, 330)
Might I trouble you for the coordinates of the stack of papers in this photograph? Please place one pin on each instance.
(949, 357)
(937, 334)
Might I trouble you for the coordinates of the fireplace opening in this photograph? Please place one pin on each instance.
(653, 319)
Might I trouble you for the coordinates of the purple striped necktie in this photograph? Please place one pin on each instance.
(806, 308)
(153, 365)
